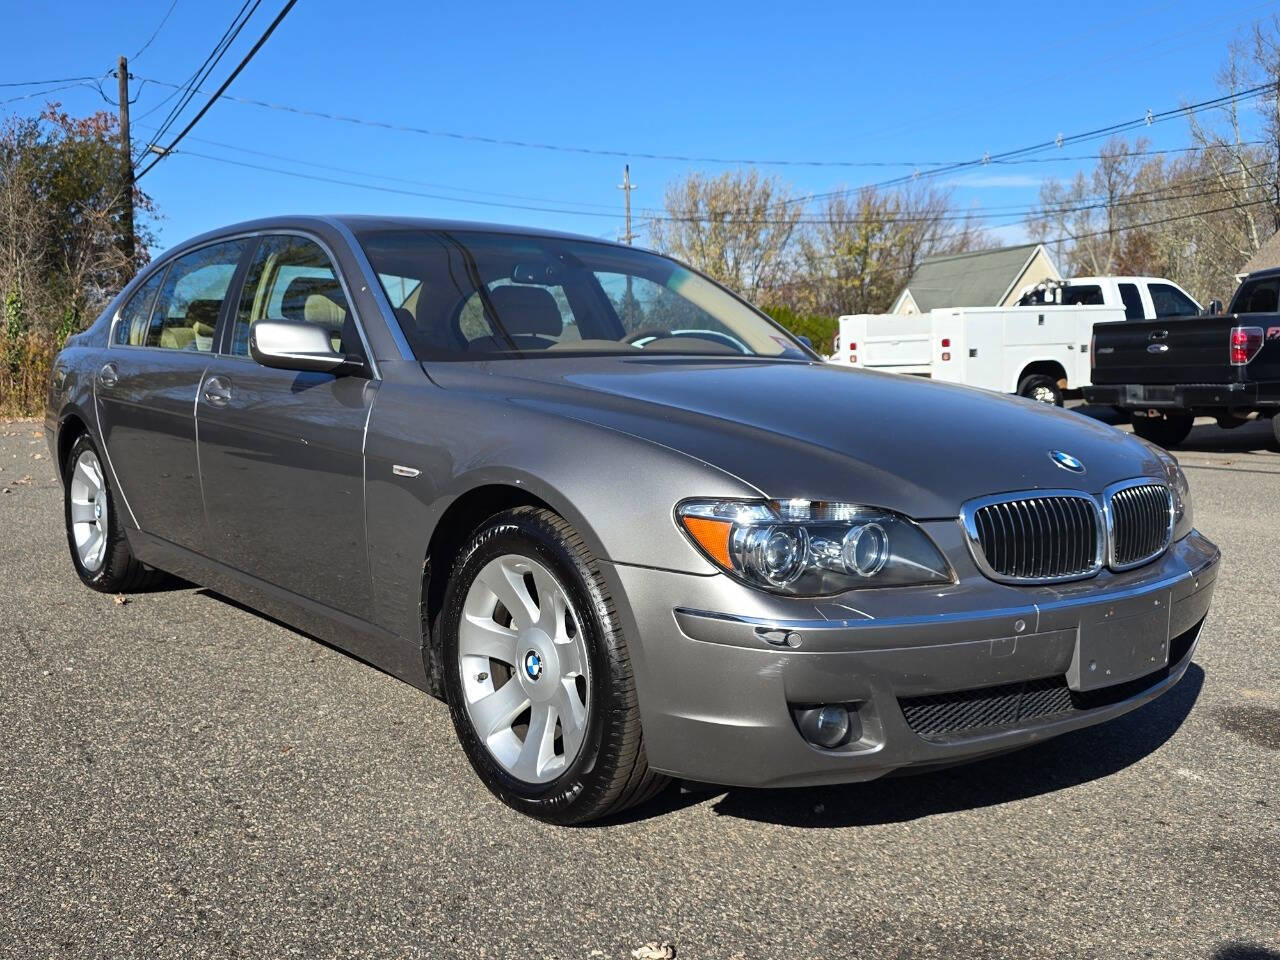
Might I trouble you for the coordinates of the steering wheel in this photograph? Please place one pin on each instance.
(648, 333)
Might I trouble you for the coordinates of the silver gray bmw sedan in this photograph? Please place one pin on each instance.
(628, 527)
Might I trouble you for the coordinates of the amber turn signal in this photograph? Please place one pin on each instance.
(712, 536)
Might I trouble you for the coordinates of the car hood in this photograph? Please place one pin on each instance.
(824, 432)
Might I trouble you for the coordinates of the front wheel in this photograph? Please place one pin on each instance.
(537, 673)
(1167, 431)
(1041, 388)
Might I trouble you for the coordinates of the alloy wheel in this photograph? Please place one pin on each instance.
(524, 668)
(89, 519)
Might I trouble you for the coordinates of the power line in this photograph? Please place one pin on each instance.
(188, 92)
(1025, 214)
(379, 176)
(941, 167)
(284, 12)
(45, 93)
(156, 32)
(41, 83)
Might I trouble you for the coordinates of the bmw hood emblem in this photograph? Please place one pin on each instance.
(532, 665)
(1066, 461)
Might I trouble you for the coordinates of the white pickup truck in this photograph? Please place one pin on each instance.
(1038, 349)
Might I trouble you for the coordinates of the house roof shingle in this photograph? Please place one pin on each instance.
(968, 279)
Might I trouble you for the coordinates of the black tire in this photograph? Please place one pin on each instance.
(1166, 431)
(1275, 427)
(119, 571)
(610, 772)
(1042, 388)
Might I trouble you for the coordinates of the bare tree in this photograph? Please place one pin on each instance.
(737, 228)
(863, 246)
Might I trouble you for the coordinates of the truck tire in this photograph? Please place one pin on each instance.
(1166, 431)
(1275, 427)
(1042, 388)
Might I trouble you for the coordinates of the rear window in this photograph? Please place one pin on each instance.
(1085, 295)
(1257, 296)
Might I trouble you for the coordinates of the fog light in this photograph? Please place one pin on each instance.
(827, 726)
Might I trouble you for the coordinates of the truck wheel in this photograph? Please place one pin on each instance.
(1042, 388)
(1275, 427)
(1166, 431)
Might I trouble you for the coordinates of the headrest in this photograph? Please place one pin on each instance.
(203, 313)
(321, 310)
(293, 305)
(527, 310)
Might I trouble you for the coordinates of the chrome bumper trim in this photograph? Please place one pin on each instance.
(1030, 609)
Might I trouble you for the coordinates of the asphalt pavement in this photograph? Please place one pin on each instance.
(180, 777)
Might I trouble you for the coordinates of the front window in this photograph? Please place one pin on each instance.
(291, 278)
(477, 296)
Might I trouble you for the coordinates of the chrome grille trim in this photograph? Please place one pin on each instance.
(1036, 536)
(1140, 517)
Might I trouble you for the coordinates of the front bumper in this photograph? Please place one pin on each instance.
(716, 690)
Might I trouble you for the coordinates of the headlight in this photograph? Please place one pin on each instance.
(808, 549)
(1177, 480)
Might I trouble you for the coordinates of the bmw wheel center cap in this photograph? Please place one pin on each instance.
(532, 665)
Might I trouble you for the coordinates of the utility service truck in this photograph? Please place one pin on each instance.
(1037, 349)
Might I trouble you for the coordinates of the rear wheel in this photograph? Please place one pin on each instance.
(538, 676)
(95, 534)
(1042, 388)
(1275, 427)
(1167, 431)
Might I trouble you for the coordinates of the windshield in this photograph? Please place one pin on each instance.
(461, 295)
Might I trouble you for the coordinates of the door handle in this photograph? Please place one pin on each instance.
(109, 375)
(217, 391)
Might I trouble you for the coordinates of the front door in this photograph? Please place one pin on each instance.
(146, 391)
(282, 452)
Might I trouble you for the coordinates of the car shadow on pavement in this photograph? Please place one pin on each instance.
(1065, 761)
(1255, 436)
(1244, 951)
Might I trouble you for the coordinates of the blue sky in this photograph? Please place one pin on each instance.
(805, 81)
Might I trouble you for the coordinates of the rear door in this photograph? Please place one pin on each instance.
(281, 451)
(146, 391)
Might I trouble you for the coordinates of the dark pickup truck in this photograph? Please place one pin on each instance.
(1167, 372)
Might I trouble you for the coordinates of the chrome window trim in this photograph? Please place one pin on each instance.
(968, 523)
(176, 255)
(1109, 519)
(374, 285)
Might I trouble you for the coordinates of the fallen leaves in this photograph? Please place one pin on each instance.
(654, 951)
(121, 599)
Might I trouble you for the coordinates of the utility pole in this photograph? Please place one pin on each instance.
(126, 167)
(626, 186)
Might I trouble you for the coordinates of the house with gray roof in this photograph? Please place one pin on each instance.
(982, 278)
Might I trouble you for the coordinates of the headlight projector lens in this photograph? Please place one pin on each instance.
(865, 549)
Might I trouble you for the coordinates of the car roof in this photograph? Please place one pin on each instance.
(358, 223)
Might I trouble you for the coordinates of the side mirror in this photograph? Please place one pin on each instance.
(297, 345)
(806, 341)
(1215, 307)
